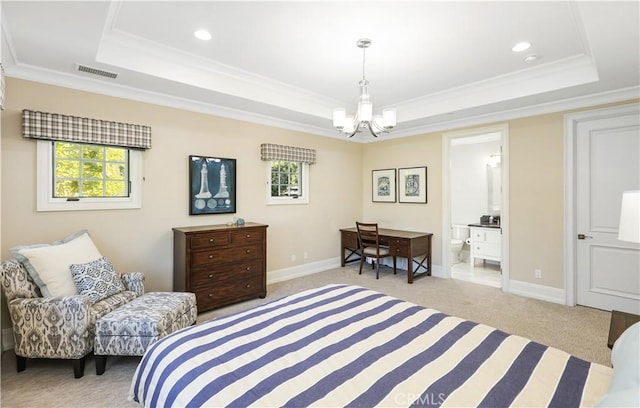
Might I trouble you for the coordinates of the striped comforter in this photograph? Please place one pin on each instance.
(343, 345)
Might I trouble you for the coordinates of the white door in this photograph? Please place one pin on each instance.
(607, 163)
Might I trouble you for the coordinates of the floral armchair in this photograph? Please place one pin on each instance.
(59, 327)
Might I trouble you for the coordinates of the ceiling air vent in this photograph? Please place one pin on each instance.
(96, 71)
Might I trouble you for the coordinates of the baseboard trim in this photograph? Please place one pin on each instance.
(298, 271)
(7, 339)
(536, 291)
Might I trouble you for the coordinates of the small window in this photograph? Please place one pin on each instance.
(78, 176)
(83, 170)
(288, 182)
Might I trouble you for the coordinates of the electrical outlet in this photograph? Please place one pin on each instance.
(305, 255)
(293, 258)
(537, 273)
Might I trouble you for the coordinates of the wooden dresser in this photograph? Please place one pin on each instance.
(221, 264)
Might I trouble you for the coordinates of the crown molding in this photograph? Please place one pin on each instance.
(565, 73)
(619, 95)
(32, 73)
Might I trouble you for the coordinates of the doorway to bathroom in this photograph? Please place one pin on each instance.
(474, 205)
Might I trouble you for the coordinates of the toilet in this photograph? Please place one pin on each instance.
(459, 234)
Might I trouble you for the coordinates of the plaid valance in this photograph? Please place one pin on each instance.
(53, 126)
(270, 152)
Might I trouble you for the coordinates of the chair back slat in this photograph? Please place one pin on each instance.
(368, 242)
(368, 235)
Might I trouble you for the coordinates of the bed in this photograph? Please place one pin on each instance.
(343, 345)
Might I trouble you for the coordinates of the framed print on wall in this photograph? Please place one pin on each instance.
(383, 186)
(412, 185)
(212, 185)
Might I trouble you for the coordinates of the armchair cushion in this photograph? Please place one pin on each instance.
(97, 279)
(48, 264)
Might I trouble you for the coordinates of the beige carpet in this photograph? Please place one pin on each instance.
(578, 330)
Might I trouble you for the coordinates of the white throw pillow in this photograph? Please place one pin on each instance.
(48, 264)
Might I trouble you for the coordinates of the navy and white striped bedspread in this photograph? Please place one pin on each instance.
(343, 345)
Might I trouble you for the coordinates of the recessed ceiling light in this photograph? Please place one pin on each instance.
(521, 46)
(530, 58)
(203, 35)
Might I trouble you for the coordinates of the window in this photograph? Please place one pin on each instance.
(78, 176)
(288, 182)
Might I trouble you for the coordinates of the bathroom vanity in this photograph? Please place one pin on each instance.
(486, 242)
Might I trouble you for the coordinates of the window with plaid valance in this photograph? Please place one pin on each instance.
(53, 126)
(269, 152)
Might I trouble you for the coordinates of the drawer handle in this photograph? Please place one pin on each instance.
(210, 256)
(248, 235)
(211, 240)
(211, 275)
(210, 295)
(248, 285)
(248, 250)
(248, 268)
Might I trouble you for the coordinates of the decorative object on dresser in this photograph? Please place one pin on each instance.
(212, 185)
(221, 264)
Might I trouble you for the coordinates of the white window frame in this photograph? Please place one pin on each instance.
(300, 199)
(45, 201)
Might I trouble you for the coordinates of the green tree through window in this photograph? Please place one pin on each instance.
(286, 179)
(84, 170)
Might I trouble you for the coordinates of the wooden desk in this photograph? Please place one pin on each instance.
(407, 244)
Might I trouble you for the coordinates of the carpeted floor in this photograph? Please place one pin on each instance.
(578, 330)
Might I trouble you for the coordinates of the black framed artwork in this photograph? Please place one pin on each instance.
(212, 185)
(412, 185)
(383, 186)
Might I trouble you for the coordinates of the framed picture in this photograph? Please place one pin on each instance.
(383, 186)
(212, 185)
(412, 185)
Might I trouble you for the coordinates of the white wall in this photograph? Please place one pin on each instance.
(469, 184)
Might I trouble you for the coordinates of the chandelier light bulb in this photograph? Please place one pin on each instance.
(339, 115)
(389, 117)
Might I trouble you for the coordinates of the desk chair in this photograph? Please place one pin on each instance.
(369, 243)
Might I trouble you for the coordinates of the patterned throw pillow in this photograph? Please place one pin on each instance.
(96, 280)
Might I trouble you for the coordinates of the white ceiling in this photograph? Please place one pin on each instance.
(289, 64)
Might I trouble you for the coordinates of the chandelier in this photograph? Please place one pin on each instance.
(364, 117)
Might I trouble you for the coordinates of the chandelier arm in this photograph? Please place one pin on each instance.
(356, 130)
(379, 128)
(372, 131)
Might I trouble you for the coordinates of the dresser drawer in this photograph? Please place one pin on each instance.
(224, 255)
(210, 240)
(247, 236)
(228, 291)
(221, 272)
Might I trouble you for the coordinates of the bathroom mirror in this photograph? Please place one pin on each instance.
(494, 184)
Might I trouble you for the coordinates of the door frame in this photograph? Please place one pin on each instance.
(503, 129)
(571, 122)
